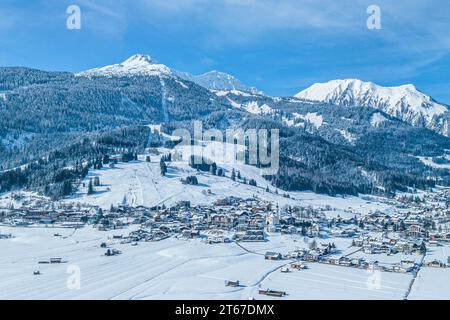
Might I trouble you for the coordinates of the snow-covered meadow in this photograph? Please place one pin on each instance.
(170, 269)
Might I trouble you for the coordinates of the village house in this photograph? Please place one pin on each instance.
(273, 255)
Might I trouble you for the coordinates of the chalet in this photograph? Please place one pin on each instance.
(215, 236)
(357, 262)
(72, 224)
(251, 235)
(436, 264)
(334, 261)
(186, 234)
(399, 268)
(369, 249)
(220, 221)
(183, 204)
(5, 236)
(272, 293)
(443, 237)
(298, 265)
(159, 235)
(416, 231)
(312, 256)
(285, 270)
(315, 230)
(47, 221)
(344, 261)
(112, 252)
(273, 256)
(359, 242)
(403, 246)
(231, 283)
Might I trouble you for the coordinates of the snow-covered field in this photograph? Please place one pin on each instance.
(170, 269)
(433, 283)
(326, 282)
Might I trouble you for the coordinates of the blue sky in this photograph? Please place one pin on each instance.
(279, 46)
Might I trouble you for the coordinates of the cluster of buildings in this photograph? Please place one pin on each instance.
(413, 226)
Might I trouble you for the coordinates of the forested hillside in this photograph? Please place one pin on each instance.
(54, 126)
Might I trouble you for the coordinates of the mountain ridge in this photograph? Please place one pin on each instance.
(405, 102)
(145, 65)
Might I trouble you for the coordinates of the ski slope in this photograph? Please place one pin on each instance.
(140, 183)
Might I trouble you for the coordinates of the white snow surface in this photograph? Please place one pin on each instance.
(377, 119)
(139, 64)
(315, 119)
(350, 137)
(216, 80)
(396, 101)
(254, 108)
(170, 269)
(433, 283)
(222, 93)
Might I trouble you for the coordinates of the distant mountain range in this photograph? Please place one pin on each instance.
(144, 65)
(215, 80)
(403, 102)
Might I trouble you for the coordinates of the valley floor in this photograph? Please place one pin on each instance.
(184, 269)
(192, 269)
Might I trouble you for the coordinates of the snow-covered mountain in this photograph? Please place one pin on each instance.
(216, 80)
(137, 65)
(144, 65)
(404, 102)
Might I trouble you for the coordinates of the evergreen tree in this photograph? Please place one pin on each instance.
(313, 245)
(233, 175)
(163, 167)
(90, 188)
(213, 169)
